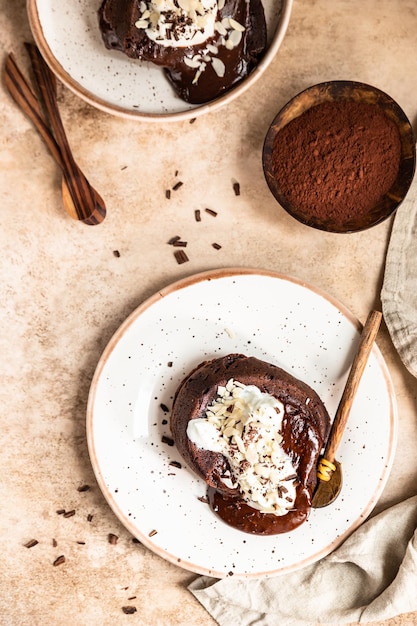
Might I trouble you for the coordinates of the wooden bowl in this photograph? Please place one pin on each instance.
(334, 91)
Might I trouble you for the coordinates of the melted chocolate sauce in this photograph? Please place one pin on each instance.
(302, 442)
(235, 512)
(117, 24)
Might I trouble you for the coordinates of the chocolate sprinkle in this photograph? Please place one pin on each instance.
(164, 407)
(168, 194)
(129, 610)
(32, 543)
(113, 539)
(116, 253)
(176, 464)
(152, 533)
(89, 518)
(211, 212)
(83, 488)
(69, 513)
(180, 244)
(217, 246)
(236, 188)
(181, 257)
(173, 240)
(59, 561)
(177, 185)
(167, 440)
(197, 215)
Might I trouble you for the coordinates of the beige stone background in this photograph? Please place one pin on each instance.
(64, 293)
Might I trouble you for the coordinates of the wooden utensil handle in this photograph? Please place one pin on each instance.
(84, 199)
(25, 98)
(366, 341)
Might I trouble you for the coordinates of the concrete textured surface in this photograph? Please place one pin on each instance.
(64, 293)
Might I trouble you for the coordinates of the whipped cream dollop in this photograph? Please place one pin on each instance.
(178, 23)
(243, 423)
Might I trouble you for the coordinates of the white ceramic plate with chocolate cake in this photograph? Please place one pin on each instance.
(94, 47)
(262, 314)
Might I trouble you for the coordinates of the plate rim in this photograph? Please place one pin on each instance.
(184, 283)
(190, 113)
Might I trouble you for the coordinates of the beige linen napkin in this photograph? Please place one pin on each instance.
(372, 576)
(399, 290)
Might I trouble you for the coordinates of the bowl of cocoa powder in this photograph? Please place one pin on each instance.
(340, 156)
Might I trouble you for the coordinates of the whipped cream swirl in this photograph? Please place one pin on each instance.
(244, 425)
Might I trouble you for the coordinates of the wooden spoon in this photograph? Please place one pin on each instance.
(81, 201)
(329, 470)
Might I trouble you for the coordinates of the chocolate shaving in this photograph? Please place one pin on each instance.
(112, 539)
(59, 561)
(116, 253)
(129, 610)
(181, 257)
(168, 440)
(164, 407)
(173, 240)
(31, 544)
(236, 188)
(83, 488)
(54, 543)
(176, 464)
(216, 246)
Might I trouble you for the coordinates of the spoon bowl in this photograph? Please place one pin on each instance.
(329, 472)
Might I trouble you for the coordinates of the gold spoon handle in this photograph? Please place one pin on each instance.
(366, 341)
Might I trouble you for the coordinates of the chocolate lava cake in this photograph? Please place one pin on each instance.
(205, 46)
(254, 433)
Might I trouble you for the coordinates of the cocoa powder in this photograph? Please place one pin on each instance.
(336, 161)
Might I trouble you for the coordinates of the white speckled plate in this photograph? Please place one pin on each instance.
(68, 36)
(257, 313)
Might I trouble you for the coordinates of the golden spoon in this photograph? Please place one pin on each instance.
(329, 470)
(81, 200)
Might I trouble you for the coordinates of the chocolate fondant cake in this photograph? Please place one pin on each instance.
(204, 46)
(254, 433)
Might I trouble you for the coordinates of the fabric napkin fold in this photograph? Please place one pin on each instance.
(399, 290)
(372, 576)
